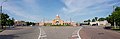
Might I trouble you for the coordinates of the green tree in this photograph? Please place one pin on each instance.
(93, 20)
(101, 19)
(10, 22)
(3, 19)
(87, 20)
(114, 17)
(96, 18)
(117, 9)
(110, 20)
(30, 23)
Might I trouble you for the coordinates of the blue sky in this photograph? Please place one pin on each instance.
(77, 10)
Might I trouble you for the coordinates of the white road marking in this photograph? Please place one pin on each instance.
(78, 33)
(74, 35)
(42, 34)
(39, 33)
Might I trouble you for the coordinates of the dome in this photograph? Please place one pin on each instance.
(57, 15)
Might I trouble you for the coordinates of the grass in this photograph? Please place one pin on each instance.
(116, 29)
(1, 30)
(60, 25)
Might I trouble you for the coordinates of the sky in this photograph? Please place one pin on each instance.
(77, 10)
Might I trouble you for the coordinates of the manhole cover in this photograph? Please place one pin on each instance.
(100, 33)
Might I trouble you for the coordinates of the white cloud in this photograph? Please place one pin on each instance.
(77, 8)
(30, 9)
(33, 5)
(79, 5)
(23, 9)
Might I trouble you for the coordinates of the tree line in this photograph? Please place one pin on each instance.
(5, 20)
(95, 19)
(113, 18)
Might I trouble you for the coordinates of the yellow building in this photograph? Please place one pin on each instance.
(57, 21)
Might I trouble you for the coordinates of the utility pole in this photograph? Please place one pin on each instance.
(70, 21)
(1, 5)
(44, 21)
(0, 9)
(114, 19)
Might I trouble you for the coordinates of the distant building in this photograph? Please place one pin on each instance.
(19, 23)
(102, 23)
(41, 23)
(36, 24)
(57, 21)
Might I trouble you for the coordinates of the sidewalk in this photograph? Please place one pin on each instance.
(11, 30)
(13, 33)
(89, 32)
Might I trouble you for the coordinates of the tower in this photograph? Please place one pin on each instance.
(57, 21)
(57, 16)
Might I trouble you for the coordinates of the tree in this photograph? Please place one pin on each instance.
(10, 22)
(93, 20)
(96, 18)
(114, 17)
(117, 9)
(110, 20)
(87, 20)
(30, 23)
(101, 19)
(3, 19)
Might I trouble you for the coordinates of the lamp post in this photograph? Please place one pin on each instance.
(1, 9)
(1, 5)
(114, 18)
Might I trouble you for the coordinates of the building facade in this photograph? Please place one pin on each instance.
(19, 23)
(57, 21)
(101, 23)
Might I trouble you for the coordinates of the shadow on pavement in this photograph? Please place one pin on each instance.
(7, 36)
(13, 28)
(108, 27)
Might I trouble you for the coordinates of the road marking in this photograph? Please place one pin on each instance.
(42, 34)
(78, 33)
(39, 33)
(75, 34)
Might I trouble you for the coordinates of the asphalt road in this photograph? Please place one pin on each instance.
(36, 32)
(95, 32)
(62, 32)
(20, 33)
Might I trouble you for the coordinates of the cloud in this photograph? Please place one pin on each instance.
(78, 8)
(79, 5)
(33, 5)
(28, 9)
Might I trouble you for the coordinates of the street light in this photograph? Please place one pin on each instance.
(1, 5)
